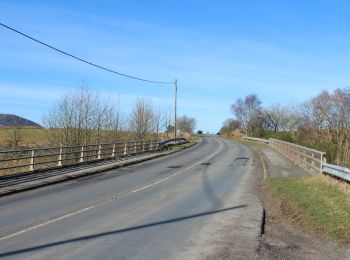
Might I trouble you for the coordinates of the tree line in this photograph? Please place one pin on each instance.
(84, 117)
(322, 122)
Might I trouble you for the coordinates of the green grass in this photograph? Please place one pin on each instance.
(322, 206)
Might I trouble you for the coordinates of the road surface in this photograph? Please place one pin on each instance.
(151, 210)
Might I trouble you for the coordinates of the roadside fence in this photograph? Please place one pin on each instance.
(313, 161)
(309, 159)
(34, 159)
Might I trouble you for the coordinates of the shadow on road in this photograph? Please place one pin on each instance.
(209, 191)
(114, 232)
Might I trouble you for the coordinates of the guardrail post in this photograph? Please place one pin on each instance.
(323, 160)
(135, 147)
(59, 163)
(81, 159)
(143, 146)
(125, 149)
(113, 150)
(99, 152)
(31, 167)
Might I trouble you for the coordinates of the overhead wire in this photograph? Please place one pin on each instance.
(83, 60)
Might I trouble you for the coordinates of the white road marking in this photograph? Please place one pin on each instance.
(47, 222)
(149, 185)
(96, 205)
(178, 172)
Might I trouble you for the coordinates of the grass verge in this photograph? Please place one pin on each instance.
(314, 202)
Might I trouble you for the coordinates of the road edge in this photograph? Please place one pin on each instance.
(82, 173)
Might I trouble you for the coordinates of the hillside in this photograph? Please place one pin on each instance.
(13, 120)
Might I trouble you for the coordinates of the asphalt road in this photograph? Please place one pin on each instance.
(146, 211)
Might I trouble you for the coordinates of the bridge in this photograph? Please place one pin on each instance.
(168, 205)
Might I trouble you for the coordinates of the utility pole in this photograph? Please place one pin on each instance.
(175, 107)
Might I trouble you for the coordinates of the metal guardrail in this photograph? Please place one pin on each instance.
(172, 141)
(337, 171)
(34, 159)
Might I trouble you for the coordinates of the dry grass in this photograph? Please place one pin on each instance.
(342, 185)
(30, 137)
(36, 137)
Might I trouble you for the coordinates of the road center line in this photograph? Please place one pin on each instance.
(96, 205)
(47, 222)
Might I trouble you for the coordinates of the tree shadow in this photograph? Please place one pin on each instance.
(114, 232)
(209, 191)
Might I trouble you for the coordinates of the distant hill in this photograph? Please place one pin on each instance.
(13, 120)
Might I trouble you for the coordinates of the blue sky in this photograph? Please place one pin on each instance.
(284, 51)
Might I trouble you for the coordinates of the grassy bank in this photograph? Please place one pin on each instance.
(316, 203)
(28, 136)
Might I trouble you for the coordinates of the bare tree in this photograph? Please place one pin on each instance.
(141, 118)
(247, 111)
(274, 117)
(159, 118)
(81, 117)
(230, 125)
(186, 124)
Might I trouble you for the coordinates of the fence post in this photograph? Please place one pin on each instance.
(143, 146)
(125, 149)
(99, 152)
(31, 167)
(59, 163)
(323, 160)
(151, 146)
(81, 159)
(135, 147)
(113, 150)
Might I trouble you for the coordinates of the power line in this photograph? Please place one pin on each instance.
(82, 60)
